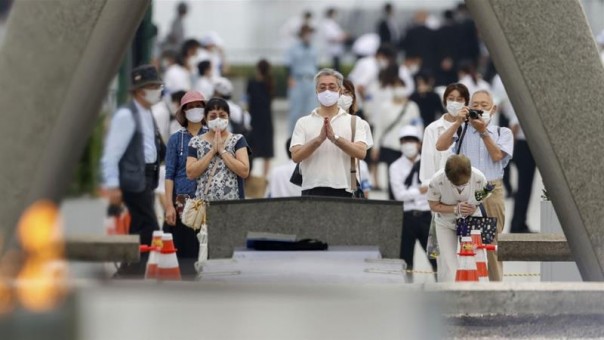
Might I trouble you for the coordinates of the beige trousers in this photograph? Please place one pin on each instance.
(495, 207)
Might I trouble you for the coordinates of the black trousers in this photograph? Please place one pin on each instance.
(325, 191)
(187, 247)
(526, 172)
(143, 223)
(416, 226)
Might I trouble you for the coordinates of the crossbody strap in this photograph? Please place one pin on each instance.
(482, 210)
(353, 167)
(394, 123)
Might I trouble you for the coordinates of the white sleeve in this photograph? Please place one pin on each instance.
(299, 136)
(427, 166)
(397, 179)
(120, 133)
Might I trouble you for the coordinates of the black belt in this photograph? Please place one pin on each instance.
(151, 169)
(417, 213)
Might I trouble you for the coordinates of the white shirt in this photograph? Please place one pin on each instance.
(161, 113)
(328, 165)
(502, 100)
(334, 37)
(473, 87)
(238, 115)
(177, 78)
(432, 159)
(279, 184)
(364, 72)
(118, 138)
(205, 85)
(390, 113)
(405, 74)
(443, 191)
(411, 197)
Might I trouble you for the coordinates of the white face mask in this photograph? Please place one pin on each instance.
(328, 98)
(219, 124)
(152, 96)
(409, 150)
(173, 108)
(345, 101)
(413, 69)
(453, 107)
(399, 92)
(195, 115)
(382, 64)
(486, 116)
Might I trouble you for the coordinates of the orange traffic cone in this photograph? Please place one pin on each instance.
(168, 263)
(466, 271)
(481, 256)
(152, 263)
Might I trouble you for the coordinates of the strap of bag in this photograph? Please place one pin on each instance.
(394, 123)
(353, 168)
(482, 210)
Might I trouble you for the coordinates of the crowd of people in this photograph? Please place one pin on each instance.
(411, 102)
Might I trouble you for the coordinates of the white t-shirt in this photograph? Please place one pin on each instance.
(443, 191)
(390, 113)
(279, 184)
(177, 78)
(161, 114)
(205, 85)
(433, 160)
(328, 165)
(334, 37)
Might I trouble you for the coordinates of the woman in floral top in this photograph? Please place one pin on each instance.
(218, 160)
(178, 187)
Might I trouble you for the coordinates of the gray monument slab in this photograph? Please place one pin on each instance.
(56, 62)
(549, 64)
(332, 220)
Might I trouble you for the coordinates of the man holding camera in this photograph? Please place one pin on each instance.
(490, 149)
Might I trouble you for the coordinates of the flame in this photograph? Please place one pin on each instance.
(42, 280)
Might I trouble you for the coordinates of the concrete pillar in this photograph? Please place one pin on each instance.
(549, 64)
(56, 63)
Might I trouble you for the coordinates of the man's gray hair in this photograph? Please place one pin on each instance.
(489, 94)
(330, 72)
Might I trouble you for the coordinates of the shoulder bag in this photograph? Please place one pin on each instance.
(357, 192)
(487, 226)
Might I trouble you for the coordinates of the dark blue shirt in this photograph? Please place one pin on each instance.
(176, 162)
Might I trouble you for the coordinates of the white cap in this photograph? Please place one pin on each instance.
(223, 86)
(366, 44)
(409, 131)
(211, 38)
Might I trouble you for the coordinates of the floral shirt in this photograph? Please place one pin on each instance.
(225, 184)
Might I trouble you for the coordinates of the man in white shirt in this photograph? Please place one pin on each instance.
(406, 187)
(335, 37)
(322, 144)
(176, 76)
(278, 179)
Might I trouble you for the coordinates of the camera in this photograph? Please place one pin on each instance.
(475, 114)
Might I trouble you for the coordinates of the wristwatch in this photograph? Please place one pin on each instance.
(484, 133)
(335, 138)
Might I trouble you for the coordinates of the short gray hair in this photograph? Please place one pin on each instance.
(330, 72)
(489, 94)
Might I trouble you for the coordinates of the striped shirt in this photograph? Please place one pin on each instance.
(474, 148)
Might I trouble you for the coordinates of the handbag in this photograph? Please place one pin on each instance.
(194, 212)
(487, 226)
(296, 177)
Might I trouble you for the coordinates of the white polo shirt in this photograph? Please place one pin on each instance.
(328, 165)
(442, 190)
